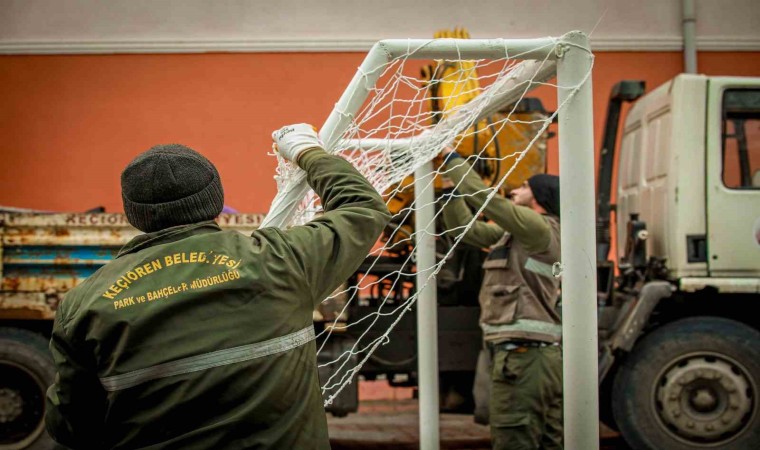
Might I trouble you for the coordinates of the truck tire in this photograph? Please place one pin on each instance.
(26, 371)
(691, 384)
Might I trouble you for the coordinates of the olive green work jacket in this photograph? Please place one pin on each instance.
(198, 338)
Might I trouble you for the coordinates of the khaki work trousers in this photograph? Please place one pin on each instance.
(525, 402)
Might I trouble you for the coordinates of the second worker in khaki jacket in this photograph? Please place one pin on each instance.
(521, 363)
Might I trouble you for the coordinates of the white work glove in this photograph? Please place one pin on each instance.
(291, 140)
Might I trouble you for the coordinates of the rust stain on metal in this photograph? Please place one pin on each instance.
(25, 306)
(25, 314)
(11, 283)
(40, 283)
(116, 234)
(54, 300)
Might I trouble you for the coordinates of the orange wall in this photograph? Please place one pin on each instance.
(69, 124)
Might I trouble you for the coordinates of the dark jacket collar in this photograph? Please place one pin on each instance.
(168, 235)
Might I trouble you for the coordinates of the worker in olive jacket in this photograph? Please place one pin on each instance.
(521, 363)
(198, 338)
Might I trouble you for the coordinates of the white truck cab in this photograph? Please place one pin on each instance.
(690, 167)
(679, 339)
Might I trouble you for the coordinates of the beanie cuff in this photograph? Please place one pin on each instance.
(205, 204)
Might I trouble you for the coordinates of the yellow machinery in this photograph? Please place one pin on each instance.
(493, 138)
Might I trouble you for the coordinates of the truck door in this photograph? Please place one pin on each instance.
(733, 177)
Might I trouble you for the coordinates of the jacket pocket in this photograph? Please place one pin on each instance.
(499, 303)
(508, 366)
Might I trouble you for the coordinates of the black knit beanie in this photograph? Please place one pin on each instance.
(545, 190)
(170, 185)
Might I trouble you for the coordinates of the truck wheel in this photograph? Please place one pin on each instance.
(26, 371)
(691, 384)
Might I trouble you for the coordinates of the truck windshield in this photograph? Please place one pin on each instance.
(741, 138)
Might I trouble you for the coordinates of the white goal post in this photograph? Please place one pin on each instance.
(569, 59)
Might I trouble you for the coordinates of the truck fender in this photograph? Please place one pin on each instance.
(637, 318)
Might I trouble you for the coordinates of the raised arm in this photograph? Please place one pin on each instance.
(331, 247)
(524, 224)
(457, 214)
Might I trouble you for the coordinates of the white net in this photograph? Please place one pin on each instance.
(412, 112)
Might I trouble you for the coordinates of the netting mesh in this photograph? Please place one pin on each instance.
(412, 112)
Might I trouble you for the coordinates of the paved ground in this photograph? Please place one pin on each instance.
(393, 424)
(388, 424)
